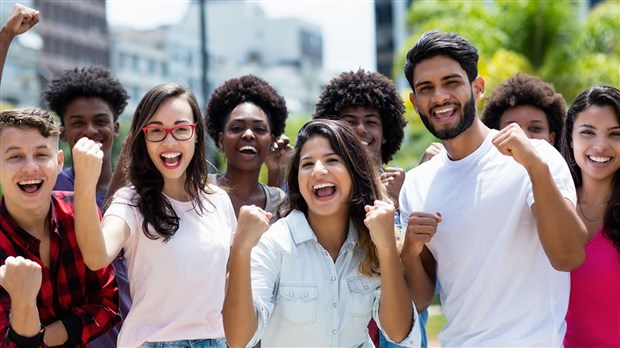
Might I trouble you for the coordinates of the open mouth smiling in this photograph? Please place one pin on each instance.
(171, 159)
(30, 186)
(324, 189)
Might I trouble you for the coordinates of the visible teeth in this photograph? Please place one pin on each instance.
(599, 159)
(30, 182)
(171, 154)
(365, 143)
(247, 147)
(322, 185)
(443, 110)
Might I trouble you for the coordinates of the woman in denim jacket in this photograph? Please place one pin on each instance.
(315, 278)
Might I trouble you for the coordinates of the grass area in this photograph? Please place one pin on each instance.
(433, 326)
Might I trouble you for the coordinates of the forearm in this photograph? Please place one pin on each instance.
(421, 286)
(24, 318)
(5, 42)
(239, 314)
(561, 231)
(88, 229)
(274, 177)
(395, 309)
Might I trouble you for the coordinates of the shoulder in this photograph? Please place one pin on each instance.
(125, 195)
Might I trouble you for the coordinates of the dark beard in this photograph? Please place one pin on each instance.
(469, 114)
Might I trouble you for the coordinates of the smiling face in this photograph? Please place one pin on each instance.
(90, 117)
(30, 165)
(246, 138)
(368, 126)
(596, 142)
(531, 119)
(443, 96)
(170, 156)
(324, 180)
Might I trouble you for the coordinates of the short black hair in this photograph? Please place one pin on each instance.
(93, 81)
(523, 89)
(369, 90)
(247, 88)
(435, 43)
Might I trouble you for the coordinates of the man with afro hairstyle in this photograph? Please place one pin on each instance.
(531, 103)
(88, 102)
(370, 103)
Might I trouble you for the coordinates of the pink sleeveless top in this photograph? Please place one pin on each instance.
(593, 318)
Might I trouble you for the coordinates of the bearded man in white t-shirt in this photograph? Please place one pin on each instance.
(492, 217)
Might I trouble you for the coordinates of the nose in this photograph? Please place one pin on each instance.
(360, 129)
(318, 170)
(30, 165)
(90, 130)
(248, 134)
(168, 138)
(600, 144)
(440, 96)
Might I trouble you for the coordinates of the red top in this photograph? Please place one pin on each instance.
(593, 318)
(86, 301)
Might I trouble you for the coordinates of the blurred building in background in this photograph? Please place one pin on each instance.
(391, 32)
(240, 39)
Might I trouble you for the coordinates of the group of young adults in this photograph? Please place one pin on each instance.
(522, 240)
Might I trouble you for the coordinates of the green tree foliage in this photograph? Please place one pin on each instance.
(560, 41)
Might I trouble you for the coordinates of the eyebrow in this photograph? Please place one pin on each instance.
(447, 77)
(17, 148)
(589, 126)
(81, 116)
(254, 120)
(159, 123)
(325, 155)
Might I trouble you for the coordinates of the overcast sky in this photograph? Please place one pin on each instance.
(347, 26)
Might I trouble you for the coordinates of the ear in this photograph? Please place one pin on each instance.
(552, 137)
(62, 134)
(61, 160)
(413, 101)
(478, 87)
(220, 136)
(116, 128)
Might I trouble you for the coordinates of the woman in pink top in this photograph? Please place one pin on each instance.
(591, 146)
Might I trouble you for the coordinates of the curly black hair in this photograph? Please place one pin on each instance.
(523, 89)
(369, 90)
(247, 88)
(93, 81)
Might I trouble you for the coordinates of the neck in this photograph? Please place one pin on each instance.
(331, 231)
(240, 182)
(467, 142)
(176, 189)
(33, 221)
(594, 192)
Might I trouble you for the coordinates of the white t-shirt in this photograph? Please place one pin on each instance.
(498, 287)
(177, 287)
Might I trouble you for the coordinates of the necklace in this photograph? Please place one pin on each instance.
(584, 215)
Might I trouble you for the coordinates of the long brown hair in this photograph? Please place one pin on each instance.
(601, 96)
(367, 186)
(141, 171)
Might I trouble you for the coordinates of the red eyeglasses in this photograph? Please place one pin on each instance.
(181, 132)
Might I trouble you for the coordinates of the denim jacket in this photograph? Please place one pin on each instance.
(303, 298)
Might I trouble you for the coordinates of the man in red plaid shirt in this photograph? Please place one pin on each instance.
(48, 296)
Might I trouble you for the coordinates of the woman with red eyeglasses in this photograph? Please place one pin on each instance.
(175, 228)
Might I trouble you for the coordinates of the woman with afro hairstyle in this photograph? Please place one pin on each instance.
(591, 146)
(245, 117)
(531, 103)
(88, 102)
